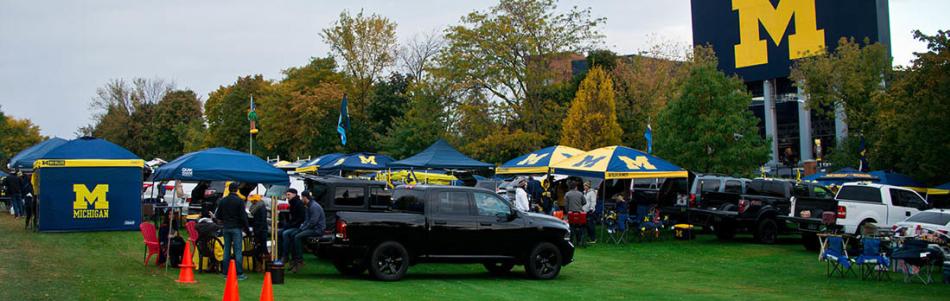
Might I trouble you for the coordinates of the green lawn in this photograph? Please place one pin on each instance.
(108, 266)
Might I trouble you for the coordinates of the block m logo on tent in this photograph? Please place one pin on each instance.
(532, 159)
(806, 41)
(588, 161)
(368, 160)
(640, 162)
(91, 204)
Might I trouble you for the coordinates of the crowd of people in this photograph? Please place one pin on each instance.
(18, 192)
(532, 195)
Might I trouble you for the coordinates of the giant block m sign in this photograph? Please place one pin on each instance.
(760, 39)
(90, 204)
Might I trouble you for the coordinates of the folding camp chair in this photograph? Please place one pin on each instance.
(616, 225)
(835, 257)
(150, 238)
(916, 260)
(874, 265)
(644, 224)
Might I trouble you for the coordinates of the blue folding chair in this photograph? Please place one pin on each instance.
(644, 225)
(836, 259)
(874, 265)
(616, 225)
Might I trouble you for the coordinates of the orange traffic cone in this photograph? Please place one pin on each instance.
(231, 286)
(267, 290)
(187, 273)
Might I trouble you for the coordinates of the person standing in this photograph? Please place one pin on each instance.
(521, 197)
(590, 195)
(298, 214)
(534, 193)
(14, 189)
(259, 226)
(575, 202)
(233, 218)
(314, 225)
(29, 201)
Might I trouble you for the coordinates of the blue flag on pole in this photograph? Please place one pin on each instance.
(343, 124)
(648, 134)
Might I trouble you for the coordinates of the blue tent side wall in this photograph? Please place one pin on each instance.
(61, 187)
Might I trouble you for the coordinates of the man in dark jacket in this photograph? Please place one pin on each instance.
(233, 218)
(14, 189)
(260, 226)
(298, 214)
(314, 225)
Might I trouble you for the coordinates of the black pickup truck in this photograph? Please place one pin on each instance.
(764, 209)
(448, 224)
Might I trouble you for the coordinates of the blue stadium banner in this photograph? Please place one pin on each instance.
(760, 39)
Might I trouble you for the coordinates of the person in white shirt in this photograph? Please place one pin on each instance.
(521, 197)
(590, 195)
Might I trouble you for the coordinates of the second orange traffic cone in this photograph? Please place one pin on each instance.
(187, 273)
(267, 290)
(231, 286)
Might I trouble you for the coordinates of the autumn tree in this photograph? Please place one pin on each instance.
(493, 52)
(169, 125)
(226, 112)
(366, 45)
(912, 116)
(16, 135)
(423, 123)
(591, 122)
(708, 127)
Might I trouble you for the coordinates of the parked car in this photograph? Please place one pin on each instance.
(764, 209)
(883, 205)
(809, 202)
(448, 224)
(935, 222)
(676, 196)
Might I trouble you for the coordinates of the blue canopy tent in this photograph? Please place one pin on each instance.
(89, 184)
(221, 164)
(315, 164)
(356, 162)
(896, 179)
(539, 161)
(440, 155)
(846, 175)
(25, 158)
(813, 177)
(618, 162)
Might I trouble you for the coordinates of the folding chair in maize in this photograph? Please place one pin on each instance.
(645, 225)
(616, 225)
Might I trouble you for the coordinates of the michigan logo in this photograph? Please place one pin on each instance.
(588, 161)
(532, 159)
(368, 160)
(640, 162)
(90, 204)
(752, 50)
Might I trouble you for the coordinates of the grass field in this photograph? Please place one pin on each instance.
(108, 266)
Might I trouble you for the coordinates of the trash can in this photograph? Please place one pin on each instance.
(683, 231)
(276, 269)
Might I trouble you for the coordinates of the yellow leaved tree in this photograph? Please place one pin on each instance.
(591, 122)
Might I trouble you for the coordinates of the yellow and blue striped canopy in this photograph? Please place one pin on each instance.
(538, 161)
(618, 162)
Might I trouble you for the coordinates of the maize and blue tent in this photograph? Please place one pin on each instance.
(896, 179)
(618, 162)
(314, 165)
(25, 158)
(846, 175)
(89, 184)
(221, 164)
(539, 161)
(440, 155)
(356, 162)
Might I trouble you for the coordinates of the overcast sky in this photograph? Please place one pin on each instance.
(54, 54)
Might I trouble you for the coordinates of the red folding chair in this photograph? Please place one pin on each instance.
(150, 238)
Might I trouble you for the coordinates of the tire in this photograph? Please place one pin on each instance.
(349, 267)
(860, 228)
(766, 231)
(389, 261)
(544, 261)
(810, 241)
(499, 268)
(725, 231)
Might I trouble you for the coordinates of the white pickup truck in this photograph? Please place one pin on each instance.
(883, 205)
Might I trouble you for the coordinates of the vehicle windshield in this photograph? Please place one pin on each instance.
(933, 218)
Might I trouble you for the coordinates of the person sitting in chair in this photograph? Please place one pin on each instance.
(314, 225)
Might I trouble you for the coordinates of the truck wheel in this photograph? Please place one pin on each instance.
(349, 267)
(810, 241)
(499, 268)
(860, 228)
(544, 261)
(389, 261)
(725, 231)
(767, 231)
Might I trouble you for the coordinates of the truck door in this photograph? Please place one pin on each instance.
(497, 232)
(452, 223)
(905, 203)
